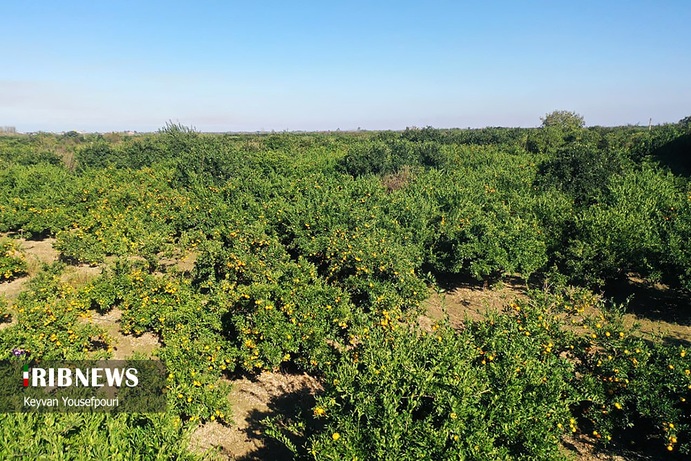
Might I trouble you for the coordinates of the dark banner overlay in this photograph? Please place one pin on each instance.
(113, 386)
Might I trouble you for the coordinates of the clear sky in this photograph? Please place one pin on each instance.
(281, 65)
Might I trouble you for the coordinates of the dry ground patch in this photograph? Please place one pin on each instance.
(655, 309)
(39, 252)
(253, 399)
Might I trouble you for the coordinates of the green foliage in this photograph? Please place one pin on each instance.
(492, 391)
(93, 436)
(25, 150)
(677, 256)
(177, 138)
(631, 385)
(49, 323)
(581, 171)
(195, 352)
(638, 227)
(376, 158)
(122, 213)
(99, 154)
(273, 323)
(5, 315)
(12, 260)
(38, 199)
(390, 154)
(477, 221)
(277, 310)
(563, 119)
(308, 252)
(171, 142)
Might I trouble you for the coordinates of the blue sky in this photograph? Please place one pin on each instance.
(265, 65)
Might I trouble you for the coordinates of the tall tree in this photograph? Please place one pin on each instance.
(563, 119)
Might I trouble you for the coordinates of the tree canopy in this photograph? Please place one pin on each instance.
(563, 119)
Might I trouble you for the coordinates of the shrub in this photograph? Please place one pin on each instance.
(99, 154)
(93, 436)
(49, 323)
(383, 157)
(488, 392)
(275, 309)
(12, 261)
(635, 389)
(5, 315)
(580, 170)
(195, 350)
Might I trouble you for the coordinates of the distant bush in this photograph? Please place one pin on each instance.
(391, 155)
(99, 154)
(563, 119)
(23, 150)
(372, 158)
(581, 170)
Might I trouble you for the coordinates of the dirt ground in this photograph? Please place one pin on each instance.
(253, 399)
(658, 309)
(655, 309)
(469, 301)
(124, 346)
(38, 252)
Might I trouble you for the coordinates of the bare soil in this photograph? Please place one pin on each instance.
(655, 309)
(658, 309)
(184, 263)
(583, 448)
(40, 250)
(253, 399)
(37, 252)
(124, 346)
(470, 301)
(10, 290)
